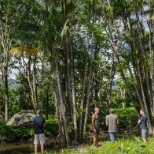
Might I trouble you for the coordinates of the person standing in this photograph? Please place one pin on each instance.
(39, 137)
(95, 126)
(143, 125)
(112, 122)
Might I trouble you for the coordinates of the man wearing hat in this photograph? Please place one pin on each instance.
(39, 137)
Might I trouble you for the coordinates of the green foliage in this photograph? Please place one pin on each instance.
(14, 133)
(51, 126)
(3, 127)
(126, 114)
(89, 29)
(89, 127)
(70, 127)
(135, 146)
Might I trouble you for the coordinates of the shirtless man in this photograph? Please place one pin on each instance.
(95, 126)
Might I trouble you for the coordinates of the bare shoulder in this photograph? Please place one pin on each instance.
(93, 116)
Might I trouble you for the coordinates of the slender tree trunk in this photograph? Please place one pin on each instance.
(62, 106)
(61, 135)
(151, 43)
(68, 78)
(6, 84)
(33, 93)
(47, 102)
(6, 43)
(83, 99)
(88, 98)
(73, 95)
(34, 82)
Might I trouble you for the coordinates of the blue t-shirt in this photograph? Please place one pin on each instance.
(38, 124)
(144, 120)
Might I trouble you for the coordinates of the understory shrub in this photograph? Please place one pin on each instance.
(21, 133)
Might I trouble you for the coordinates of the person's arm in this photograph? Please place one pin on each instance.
(93, 126)
(106, 122)
(139, 121)
(117, 120)
(44, 124)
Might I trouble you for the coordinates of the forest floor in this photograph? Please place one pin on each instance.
(127, 144)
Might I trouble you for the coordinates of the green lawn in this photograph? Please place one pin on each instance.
(133, 146)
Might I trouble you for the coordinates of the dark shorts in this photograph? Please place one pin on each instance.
(96, 133)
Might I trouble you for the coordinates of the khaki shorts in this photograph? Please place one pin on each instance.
(39, 138)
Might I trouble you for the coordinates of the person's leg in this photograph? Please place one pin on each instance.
(97, 132)
(35, 148)
(97, 141)
(94, 141)
(116, 136)
(111, 136)
(42, 142)
(36, 141)
(42, 148)
(144, 133)
(144, 140)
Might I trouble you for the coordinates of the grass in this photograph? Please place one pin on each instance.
(133, 146)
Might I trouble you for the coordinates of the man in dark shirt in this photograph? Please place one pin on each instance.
(39, 136)
(143, 125)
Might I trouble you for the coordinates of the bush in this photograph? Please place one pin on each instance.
(51, 127)
(3, 128)
(127, 115)
(16, 133)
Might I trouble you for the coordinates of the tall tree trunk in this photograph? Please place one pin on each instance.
(32, 84)
(83, 99)
(62, 106)
(6, 43)
(88, 98)
(151, 43)
(73, 94)
(68, 78)
(61, 135)
(6, 84)
(47, 102)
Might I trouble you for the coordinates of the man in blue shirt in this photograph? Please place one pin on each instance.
(143, 125)
(39, 137)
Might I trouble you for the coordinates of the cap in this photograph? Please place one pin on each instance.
(38, 112)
